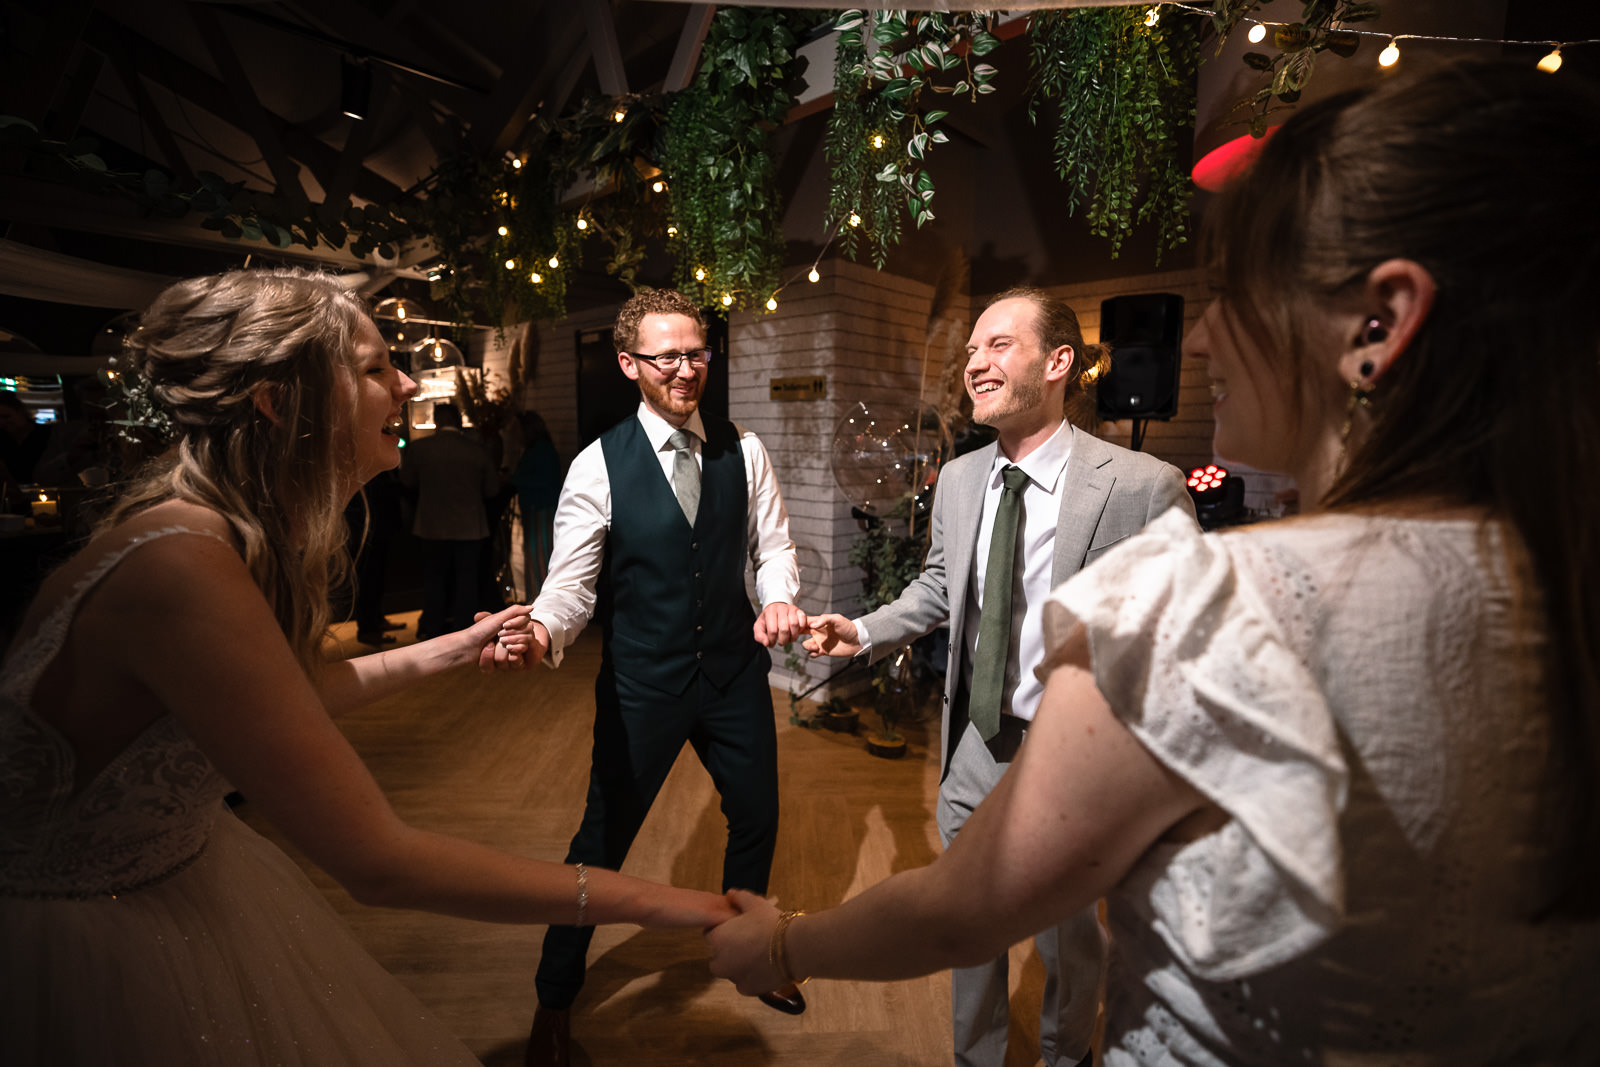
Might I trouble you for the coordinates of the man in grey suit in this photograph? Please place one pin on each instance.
(1041, 503)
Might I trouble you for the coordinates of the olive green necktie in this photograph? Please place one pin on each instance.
(685, 474)
(994, 626)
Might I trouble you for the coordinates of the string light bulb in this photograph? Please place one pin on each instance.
(1552, 62)
(727, 299)
(699, 274)
(672, 231)
(877, 140)
(814, 276)
(536, 277)
(772, 303)
(1390, 55)
(1152, 16)
(619, 115)
(400, 311)
(855, 220)
(583, 223)
(511, 264)
(504, 231)
(658, 186)
(1258, 33)
(516, 164)
(555, 261)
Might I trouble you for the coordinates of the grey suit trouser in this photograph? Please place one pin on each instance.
(1073, 953)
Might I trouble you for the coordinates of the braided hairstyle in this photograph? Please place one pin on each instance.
(255, 368)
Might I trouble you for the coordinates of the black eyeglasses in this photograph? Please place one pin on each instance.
(667, 362)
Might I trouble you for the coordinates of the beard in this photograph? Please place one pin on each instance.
(1021, 393)
(663, 398)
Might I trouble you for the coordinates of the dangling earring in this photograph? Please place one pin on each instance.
(1360, 396)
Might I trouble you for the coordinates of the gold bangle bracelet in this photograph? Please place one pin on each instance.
(777, 951)
(583, 896)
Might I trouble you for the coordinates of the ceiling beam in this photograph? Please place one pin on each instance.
(152, 119)
(696, 23)
(603, 42)
(248, 106)
(516, 99)
(193, 84)
(31, 86)
(62, 207)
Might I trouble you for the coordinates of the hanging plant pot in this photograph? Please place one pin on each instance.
(886, 748)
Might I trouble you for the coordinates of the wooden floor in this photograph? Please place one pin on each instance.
(503, 759)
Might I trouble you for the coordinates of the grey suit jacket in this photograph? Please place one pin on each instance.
(452, 474)
(1109, 493)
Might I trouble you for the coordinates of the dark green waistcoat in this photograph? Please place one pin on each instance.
(672, 598)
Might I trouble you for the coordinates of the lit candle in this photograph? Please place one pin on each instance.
(43, 506)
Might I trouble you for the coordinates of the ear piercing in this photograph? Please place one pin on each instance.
(1373, 333)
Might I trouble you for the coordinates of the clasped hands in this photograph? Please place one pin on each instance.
(519, 639)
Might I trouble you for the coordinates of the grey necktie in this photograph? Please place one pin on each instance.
(994, 626)
(685, 473)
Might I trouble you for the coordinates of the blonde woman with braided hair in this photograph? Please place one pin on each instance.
(176, 657)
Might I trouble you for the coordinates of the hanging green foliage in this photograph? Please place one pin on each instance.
(1123, 85)
(717, 153)
(888, 64)
(1297, 43)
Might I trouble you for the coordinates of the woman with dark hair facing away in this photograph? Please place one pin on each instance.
(176, 656)
(1337, 777)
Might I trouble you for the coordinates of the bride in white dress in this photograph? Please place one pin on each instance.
(1337, 777)
(176, 658)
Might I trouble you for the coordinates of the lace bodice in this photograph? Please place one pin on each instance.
(145, 815)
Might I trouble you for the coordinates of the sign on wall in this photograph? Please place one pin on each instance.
(813, 388)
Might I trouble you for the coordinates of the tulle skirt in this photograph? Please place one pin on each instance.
(234, 960)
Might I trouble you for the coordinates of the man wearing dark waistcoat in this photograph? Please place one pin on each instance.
(654, 525)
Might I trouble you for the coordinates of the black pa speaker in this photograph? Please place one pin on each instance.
(1145, 333)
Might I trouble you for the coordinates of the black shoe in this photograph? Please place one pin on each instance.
(376, 640)
(550, 1043)
(787, 1000)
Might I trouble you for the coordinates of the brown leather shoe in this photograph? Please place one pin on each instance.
(550, 1043)
(787, 1000)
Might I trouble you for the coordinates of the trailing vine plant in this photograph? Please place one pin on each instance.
(879, 135)
(1298, 44)
(1124, 89)
(717, 153)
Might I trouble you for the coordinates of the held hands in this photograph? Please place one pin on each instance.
(741, 947)
(832, 635)
(480, 639)
(514, 642)
(779, 624)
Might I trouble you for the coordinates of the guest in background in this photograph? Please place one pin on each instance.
(1337, 776)
(537, 479)
(452, 475)
(374, 519)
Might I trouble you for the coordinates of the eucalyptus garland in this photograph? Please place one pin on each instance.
(879, 136)
(1124, 90)
(717, 153)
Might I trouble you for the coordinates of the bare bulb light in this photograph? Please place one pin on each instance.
(1552, 62)
(583, 223)
(855, 220)
(699, 274)
(672, 231)
(772, 303)
(504, 231)
(814, 276)
(1152, 16)
(1258, 33)
(727, 298)
(877, 140)
(659, 186)
(536, 277)
(1389, 56)
(555, 261)
(511, 264)
(619, 115)
(516, 164)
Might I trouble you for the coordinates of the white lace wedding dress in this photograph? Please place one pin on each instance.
(142, 923)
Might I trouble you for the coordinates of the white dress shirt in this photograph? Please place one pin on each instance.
(583, 516)
(1041, 510)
